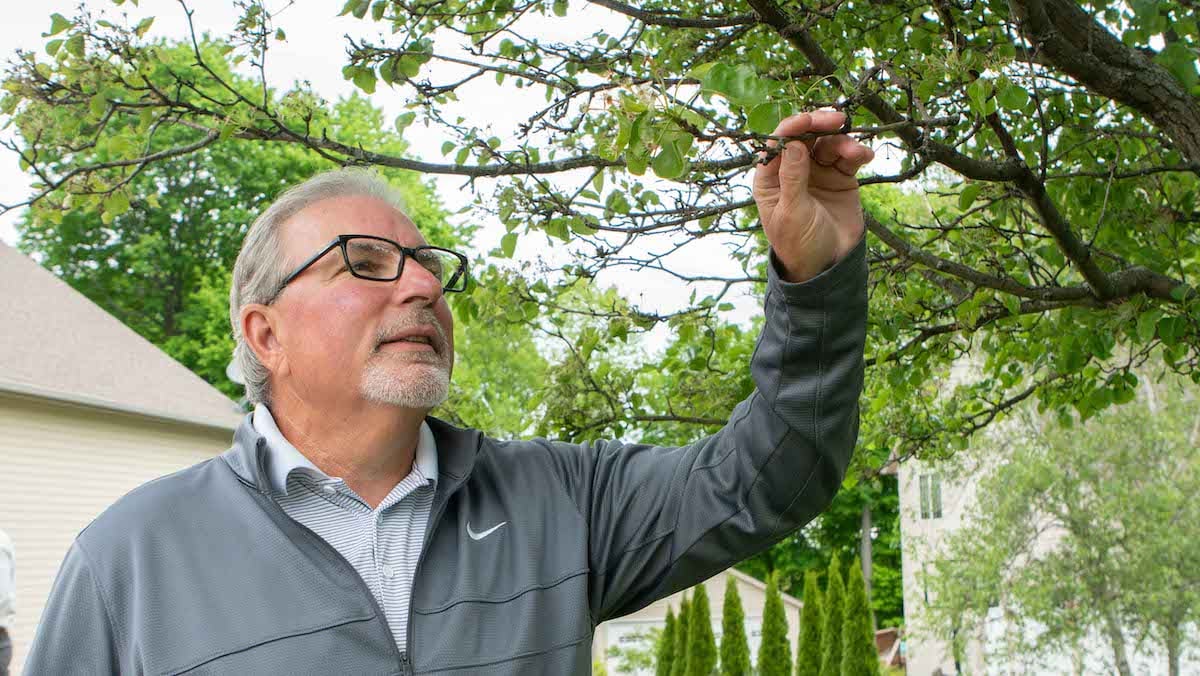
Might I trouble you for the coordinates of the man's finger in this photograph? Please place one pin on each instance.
(767, 175)
(841, 152)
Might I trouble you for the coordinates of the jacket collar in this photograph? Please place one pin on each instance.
(457, 449)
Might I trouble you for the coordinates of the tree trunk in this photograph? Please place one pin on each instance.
(1112, 627)
(865, 555)
(1173, 640)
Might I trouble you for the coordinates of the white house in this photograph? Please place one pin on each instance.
(88, 411)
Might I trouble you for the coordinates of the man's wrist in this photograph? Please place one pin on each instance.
(848, 271)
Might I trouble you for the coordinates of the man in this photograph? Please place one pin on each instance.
(347, 532)
(8, 599)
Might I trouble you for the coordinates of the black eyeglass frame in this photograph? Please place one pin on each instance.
(406, 252)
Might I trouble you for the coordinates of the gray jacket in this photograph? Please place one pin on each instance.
(201, 572)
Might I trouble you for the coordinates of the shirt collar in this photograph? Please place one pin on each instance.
(284, 458)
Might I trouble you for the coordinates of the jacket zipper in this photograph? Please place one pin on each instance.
(434, 520)
(429, 530)
(401, 658)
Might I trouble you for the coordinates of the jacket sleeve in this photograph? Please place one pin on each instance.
(663, 519)
(74, 635)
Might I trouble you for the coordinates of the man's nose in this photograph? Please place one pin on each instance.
(417, 284)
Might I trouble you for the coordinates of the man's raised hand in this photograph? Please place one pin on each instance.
(807, 195)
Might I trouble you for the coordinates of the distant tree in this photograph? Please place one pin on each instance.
(702, 647)
(666, 647)
(682, 622)
(808, 654)
(1117, 494)
(775, 650)
(831, 628)
(735, 651)
(859, 657)
(637, 652)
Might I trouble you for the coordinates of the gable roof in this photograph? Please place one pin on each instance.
(755, 583)
(57, 344)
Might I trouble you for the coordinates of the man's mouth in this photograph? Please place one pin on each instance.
(419, 341)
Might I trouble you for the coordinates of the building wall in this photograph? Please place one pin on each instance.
(60, 466)
(753, 595)
(925, 652)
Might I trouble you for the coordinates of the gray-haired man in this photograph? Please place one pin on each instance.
(348, 532)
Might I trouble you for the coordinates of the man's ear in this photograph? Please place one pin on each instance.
(259, 328)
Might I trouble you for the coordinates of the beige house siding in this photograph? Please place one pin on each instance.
(60, 466)
(754, 597)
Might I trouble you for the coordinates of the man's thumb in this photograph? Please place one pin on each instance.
(794, 169)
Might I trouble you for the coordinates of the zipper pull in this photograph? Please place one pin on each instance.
(405, 665)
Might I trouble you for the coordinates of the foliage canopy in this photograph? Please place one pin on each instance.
(1053, 145)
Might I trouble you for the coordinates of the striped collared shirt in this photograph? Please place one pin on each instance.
(382, 544)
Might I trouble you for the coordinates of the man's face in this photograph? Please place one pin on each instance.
(348, 339)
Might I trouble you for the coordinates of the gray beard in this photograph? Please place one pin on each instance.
(426, 386)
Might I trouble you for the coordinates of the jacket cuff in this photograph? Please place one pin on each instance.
(848, 274)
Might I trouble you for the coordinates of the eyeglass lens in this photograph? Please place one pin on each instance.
(378, 260)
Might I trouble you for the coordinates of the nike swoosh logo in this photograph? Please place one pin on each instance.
(480, 536)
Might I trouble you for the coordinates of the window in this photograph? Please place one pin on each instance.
(931, 496)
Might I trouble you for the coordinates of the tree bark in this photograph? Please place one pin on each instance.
(1088, 52)
(865, 555)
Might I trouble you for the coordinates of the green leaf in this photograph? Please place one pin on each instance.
(967, 197)
(766, 116)
(408, 66)
(1147, 323)
(1011, 303)
(558, 228)
(1171, 329)
(116, 204)
(741, 84)
(463, 154)
(364, 79)
(98, 104)
(560, 7)
(143, 26)
(508, 244)
(280, 35)
(1013, 97)
(669, 163)
(701, 70)
(447, 147)
(58, 24)
(636, 163)
(1181, 61)
(978, 92)
(378, 9)
(74, 45)
(403, 120)
(53, 46)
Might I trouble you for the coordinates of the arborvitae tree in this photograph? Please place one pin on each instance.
(775, 651)
(808, 654)
(831, 628)
(702, 647)
(666, 647)
(679, 659)
(735, 651)
(859, 657)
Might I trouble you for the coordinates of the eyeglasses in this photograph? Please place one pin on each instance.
(382, 260)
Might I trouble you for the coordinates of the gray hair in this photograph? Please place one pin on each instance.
(259, 270)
